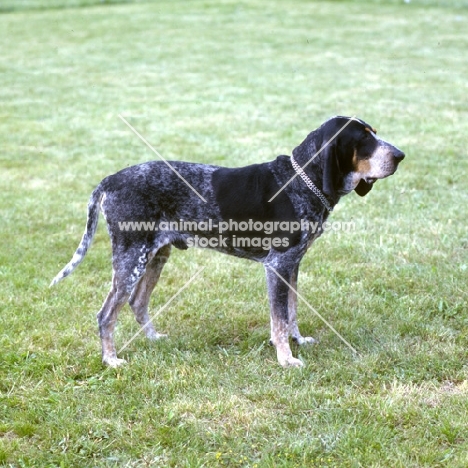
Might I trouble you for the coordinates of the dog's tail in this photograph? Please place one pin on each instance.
(91, 226)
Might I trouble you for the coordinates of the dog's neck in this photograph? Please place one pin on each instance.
(311, 185)
(306, 203)
(313, 166)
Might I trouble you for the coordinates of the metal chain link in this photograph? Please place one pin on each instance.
(310, 184)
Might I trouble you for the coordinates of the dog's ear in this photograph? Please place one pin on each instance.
(363, 188)
(307, 149)
(331, 171)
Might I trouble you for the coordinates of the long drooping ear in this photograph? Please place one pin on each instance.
(331, 171)
(363, 188)
(307, 149)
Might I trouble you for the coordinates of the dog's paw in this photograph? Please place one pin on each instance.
(305, 340)
(292, 362)
(153, 336)
(113, 361)
(287, 360)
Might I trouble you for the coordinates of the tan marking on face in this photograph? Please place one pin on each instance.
(362, 166)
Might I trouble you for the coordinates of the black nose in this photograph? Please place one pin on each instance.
(399, 155)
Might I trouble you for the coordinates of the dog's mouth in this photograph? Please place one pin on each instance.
(369, 180)
(384, 175)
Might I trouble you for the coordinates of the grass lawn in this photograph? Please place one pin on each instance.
(234, 83)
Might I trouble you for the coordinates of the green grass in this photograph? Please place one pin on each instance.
(234, 83)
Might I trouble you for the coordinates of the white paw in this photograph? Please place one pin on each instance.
(153, 336)
(291, 362)
(305, 340)
(113, 361)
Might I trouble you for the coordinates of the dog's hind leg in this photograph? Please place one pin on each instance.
(107, 318)
(140, 297)
(129, 266)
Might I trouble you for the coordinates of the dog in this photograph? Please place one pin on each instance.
(342, 155)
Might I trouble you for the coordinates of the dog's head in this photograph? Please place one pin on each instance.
(352, 155)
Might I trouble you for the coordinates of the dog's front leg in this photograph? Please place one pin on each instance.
(278, 280)
(293, 327)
